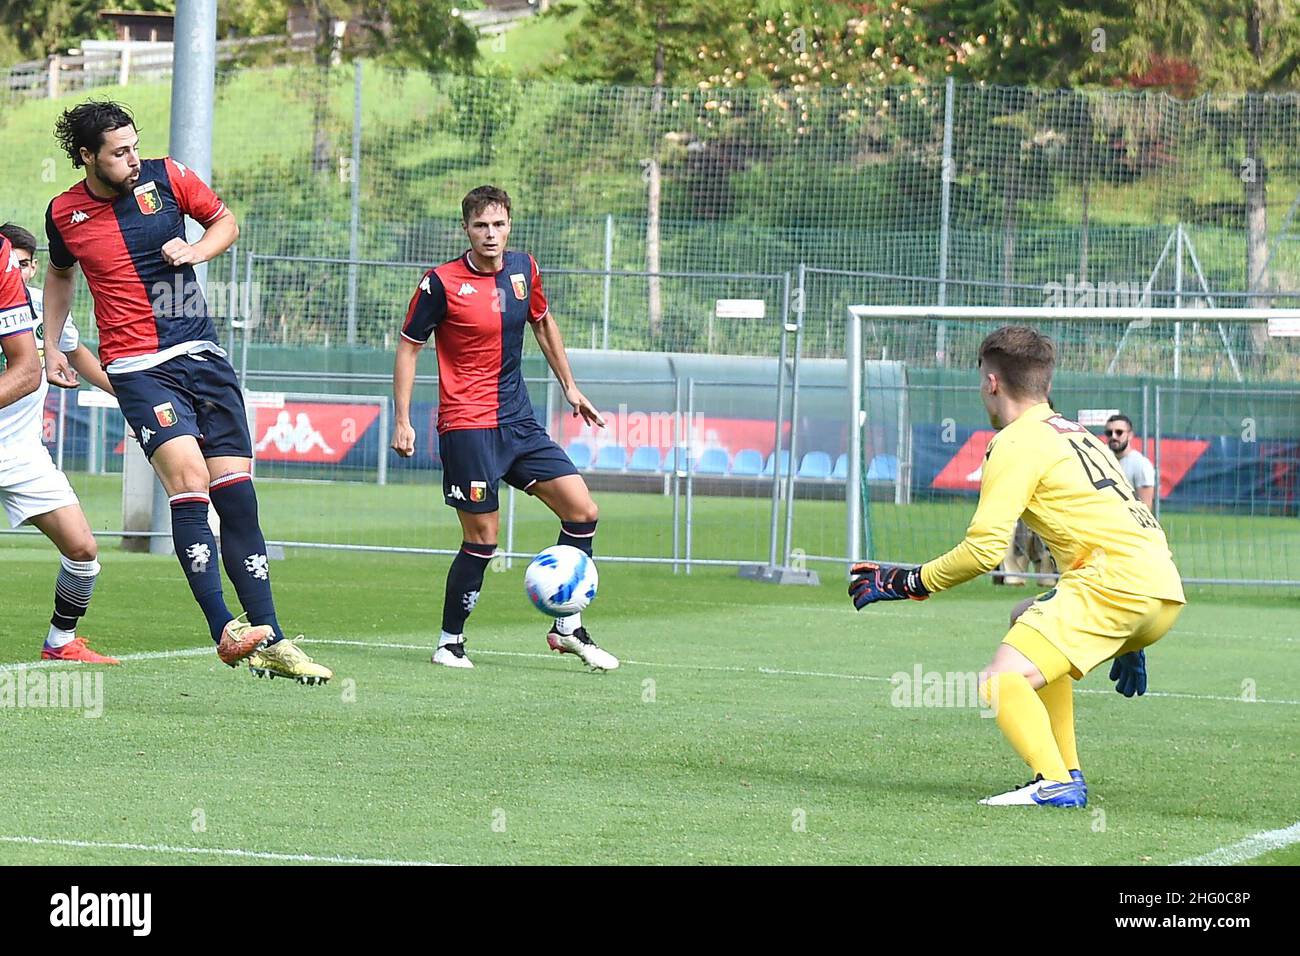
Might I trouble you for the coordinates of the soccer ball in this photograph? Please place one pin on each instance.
(561, 581)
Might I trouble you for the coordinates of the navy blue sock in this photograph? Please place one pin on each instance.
(243, 549)
(578, 534)
(196, 549)
(464, 581)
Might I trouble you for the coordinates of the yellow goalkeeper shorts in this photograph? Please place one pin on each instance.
(1090, 624)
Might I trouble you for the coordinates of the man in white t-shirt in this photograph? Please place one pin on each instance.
(33, 491)
(1137, 468)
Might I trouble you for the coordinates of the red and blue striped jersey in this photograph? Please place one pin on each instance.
(477, 320)
(143, 305)
(15, 306)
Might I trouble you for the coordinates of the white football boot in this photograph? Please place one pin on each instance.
(452, 655)
(1041, 793)
(580, 643)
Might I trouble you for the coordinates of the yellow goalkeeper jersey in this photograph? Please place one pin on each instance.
(1068, 488)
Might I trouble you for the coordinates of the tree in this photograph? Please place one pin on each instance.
(1044, 43)
(808, 45)
(648, 43)
(39, 28)
(421, 33)
(1253, 47)
(645, 42)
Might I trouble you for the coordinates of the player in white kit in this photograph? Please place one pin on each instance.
(33, 491)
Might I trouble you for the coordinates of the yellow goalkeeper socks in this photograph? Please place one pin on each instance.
(1023, 720)
(1058, 698)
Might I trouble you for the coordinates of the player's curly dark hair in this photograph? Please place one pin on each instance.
(1023, 359)
(479, 199)
(85, 125)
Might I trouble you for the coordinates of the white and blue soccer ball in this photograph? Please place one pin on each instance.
(561, 581)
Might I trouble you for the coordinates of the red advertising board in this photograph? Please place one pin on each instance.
(963, 471)
(321, 432)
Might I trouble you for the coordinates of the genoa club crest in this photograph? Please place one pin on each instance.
(517, 283)
(477, 490)
(148, 199)
(165, 414)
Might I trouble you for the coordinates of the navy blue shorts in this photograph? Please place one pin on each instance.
(195, 395)
(474, 460)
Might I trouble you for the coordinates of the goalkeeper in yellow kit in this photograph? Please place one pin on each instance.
(1118, 593)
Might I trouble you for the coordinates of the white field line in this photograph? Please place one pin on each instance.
(1257, 844)
(142, 656)
(770, 671)
(773, 671)
(214, 851)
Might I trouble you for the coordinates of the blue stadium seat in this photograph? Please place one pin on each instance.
(611, 458)
(883, 468)
(841, 471)
(712, 462)
(748, 462)
(771, 462)
(815, 464)
(644, 458)
(580, 454)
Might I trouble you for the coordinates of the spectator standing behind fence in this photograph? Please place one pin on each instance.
(1137, 468)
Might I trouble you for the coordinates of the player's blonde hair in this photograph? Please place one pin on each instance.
(1022, 358)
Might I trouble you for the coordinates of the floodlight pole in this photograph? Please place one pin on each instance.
(194, 62)
(947, 174)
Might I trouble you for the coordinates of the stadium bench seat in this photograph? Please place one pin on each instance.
(580, 455)
(815, 464)
(644, 458)
(611, 458)
(771, 462)
(841, 471)
(712, 462)
(883, 468)
(748, 463)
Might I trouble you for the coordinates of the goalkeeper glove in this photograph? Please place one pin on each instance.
(1129, 672)
(872, 583)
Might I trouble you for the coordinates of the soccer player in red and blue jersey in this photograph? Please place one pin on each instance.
(124, 224)
(22, 374)
(476, 308)
(33, 491)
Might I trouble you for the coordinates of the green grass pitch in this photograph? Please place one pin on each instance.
(749, 724)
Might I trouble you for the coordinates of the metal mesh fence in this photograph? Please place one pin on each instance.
(649, 209)
(1019, 195)
(1226, 460)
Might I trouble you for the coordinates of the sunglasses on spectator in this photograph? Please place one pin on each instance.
(1116, 431)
